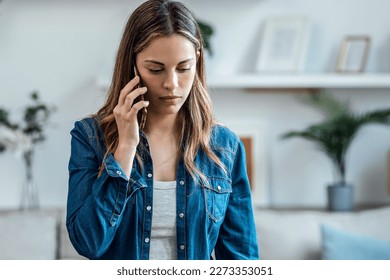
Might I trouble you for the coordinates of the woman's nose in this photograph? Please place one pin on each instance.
(171, 81)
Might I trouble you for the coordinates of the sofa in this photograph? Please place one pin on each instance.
(282, 234)
(35, 235)
(316, 234)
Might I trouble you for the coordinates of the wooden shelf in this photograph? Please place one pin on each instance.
(302, 81)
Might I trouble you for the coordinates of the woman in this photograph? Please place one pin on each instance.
(176, 188)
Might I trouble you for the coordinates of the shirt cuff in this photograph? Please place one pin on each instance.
(113, 168)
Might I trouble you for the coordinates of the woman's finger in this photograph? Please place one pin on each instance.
(127, 89)
(129, 100)
(138, 106)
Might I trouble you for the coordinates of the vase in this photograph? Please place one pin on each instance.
(29, 198)
(340, 197)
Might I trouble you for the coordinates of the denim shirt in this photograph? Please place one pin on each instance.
(110, 216)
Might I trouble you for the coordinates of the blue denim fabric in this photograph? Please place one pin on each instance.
(110, 217)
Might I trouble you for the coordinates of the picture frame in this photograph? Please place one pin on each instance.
(283, 44)
(353, 54)
(253, 136)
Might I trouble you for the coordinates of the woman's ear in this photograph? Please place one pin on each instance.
(197, 54)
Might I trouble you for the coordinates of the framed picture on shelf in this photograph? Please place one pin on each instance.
(253, 135)
(283, 44)
(353, 54)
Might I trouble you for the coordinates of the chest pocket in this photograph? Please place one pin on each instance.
(216, 196)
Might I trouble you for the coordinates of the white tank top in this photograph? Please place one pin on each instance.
(163, 241)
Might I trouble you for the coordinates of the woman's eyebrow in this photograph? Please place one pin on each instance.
(186, 60)
(154, 61)
(162, 64)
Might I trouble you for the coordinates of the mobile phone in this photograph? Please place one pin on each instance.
(143, 111)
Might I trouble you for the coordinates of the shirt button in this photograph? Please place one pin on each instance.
(182, 247)
(148, 207)
(150, 175)
(147, 240)
(181, 183)
(219, 188)
(118, 172)
(181, 215)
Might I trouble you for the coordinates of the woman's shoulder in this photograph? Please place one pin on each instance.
(88, 125)
(220, 129)
(88, 121)
(222, 136)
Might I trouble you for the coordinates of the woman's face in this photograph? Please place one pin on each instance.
(167, 68)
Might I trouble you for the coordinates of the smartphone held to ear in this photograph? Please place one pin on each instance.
(143, 111)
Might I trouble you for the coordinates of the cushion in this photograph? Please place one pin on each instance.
(338, 244)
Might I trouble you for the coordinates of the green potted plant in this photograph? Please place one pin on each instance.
(334, 136)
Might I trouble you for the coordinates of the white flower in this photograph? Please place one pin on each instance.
(8, 137)
(15, 140)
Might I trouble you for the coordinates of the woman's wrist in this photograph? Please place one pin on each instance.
(124, 155)
(126, 148)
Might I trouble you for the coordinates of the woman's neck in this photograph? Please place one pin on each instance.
(164, 125)
(163, 138)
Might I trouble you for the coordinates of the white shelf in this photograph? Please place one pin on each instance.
(302, 81)
(297, 81)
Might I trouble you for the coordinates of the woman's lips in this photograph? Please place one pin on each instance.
(170, 97)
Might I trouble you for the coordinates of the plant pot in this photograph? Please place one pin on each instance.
(340, 197)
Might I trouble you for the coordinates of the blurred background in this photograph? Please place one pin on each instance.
(65, 51)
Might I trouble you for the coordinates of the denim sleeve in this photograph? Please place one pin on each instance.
(237, 237)
(95, 203)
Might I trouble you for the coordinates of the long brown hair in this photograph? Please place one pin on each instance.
(153, 19)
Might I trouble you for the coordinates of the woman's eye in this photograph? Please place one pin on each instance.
(155, 70)
(184, 69)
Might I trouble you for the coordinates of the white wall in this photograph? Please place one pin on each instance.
(60, 48)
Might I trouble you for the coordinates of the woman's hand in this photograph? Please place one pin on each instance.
(125, 114)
